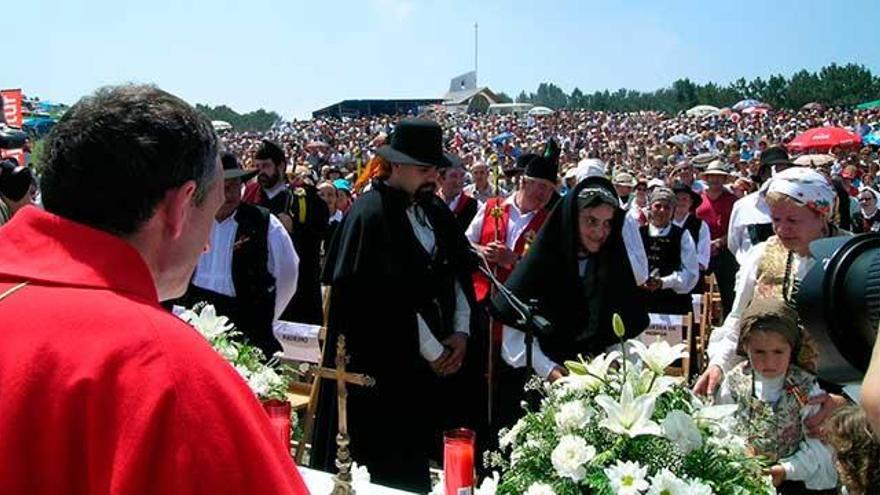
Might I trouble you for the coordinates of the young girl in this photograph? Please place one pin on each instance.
(856, 450)
(772, 388)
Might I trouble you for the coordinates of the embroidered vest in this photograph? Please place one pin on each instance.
(773, 430)
(495, 206)
(664, 255)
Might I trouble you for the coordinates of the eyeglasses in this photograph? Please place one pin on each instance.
(865, 200)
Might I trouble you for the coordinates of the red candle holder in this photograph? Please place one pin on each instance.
(279, 418)
(458, 461)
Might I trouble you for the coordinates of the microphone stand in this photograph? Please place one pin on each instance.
(528, 321)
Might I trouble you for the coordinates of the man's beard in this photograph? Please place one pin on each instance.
(267, 182)
(425, 192)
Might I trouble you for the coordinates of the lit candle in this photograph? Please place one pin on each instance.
(279, 418)
(458, 461)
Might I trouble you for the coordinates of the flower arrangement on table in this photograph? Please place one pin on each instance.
(269, 379)
(621, 426)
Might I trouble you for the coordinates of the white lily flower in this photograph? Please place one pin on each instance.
(540, 489)
(207, 322)
(627, 478)
(659, 355)
(666, 483)
(596, 373)
(706, 416)
(573, 415)
(680, 428)
(570, 456)
(631, 416)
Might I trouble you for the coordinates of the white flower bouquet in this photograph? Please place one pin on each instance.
(269, 379)
(620, 426)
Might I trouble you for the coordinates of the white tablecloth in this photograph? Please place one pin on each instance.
(321, 483)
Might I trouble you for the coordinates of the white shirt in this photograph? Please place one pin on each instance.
(813, 462)
(724, 340)
(214, 270)
(430, 348)
(681, 281)
(516, 225)
(336, 217)
(748, 210)
(454, 203)
(704, 243)
(277, 188)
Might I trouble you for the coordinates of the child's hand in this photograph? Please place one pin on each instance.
(777, 473)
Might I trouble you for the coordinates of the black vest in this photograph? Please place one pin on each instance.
(664, 255)
(759, 232)
(433, 284)
(693, 225)
(254, 285)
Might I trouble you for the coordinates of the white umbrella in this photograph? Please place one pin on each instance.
(540, 111)
(221, 125)
(703, 111)
(814, 160)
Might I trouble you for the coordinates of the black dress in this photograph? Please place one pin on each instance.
(378, 281)
(578, 306)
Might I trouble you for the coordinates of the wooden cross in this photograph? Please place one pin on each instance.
(342, 480)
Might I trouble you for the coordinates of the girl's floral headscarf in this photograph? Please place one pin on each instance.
(805, 186)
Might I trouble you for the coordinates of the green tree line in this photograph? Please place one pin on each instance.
(259, 120)
(833, 85)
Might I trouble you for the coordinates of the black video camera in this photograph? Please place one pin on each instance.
(839, 303)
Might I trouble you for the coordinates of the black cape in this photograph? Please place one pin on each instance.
(371, 303)
(580, 311)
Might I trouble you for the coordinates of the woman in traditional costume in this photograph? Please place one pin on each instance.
(800, 202)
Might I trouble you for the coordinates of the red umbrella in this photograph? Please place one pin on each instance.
(823, 139)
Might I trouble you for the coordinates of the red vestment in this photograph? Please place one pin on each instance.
(104, 391)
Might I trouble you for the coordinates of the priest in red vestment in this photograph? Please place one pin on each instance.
(103, 391)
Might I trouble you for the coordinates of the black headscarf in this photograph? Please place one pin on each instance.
(579, 309)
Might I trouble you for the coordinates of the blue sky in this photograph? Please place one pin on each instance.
(294, 57)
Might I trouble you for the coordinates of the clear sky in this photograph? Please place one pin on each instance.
(294, 57)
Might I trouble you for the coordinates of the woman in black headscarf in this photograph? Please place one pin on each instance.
(578, 275)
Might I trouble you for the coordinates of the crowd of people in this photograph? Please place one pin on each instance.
(406, 226)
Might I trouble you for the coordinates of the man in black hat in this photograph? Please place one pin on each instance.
(750, 217)
(399, 271)
(250, 272)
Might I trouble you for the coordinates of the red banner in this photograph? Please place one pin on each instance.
(12, 107)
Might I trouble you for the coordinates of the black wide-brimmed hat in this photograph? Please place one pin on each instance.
(775, 155)
(416, 142)
(544, 166)
(682, 187)
(232, 170)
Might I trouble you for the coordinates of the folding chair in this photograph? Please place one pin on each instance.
(674, 329)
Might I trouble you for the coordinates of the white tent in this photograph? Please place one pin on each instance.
(703, 111)
(540, 111)
(221, 125)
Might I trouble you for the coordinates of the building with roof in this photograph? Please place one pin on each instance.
(463, 96)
